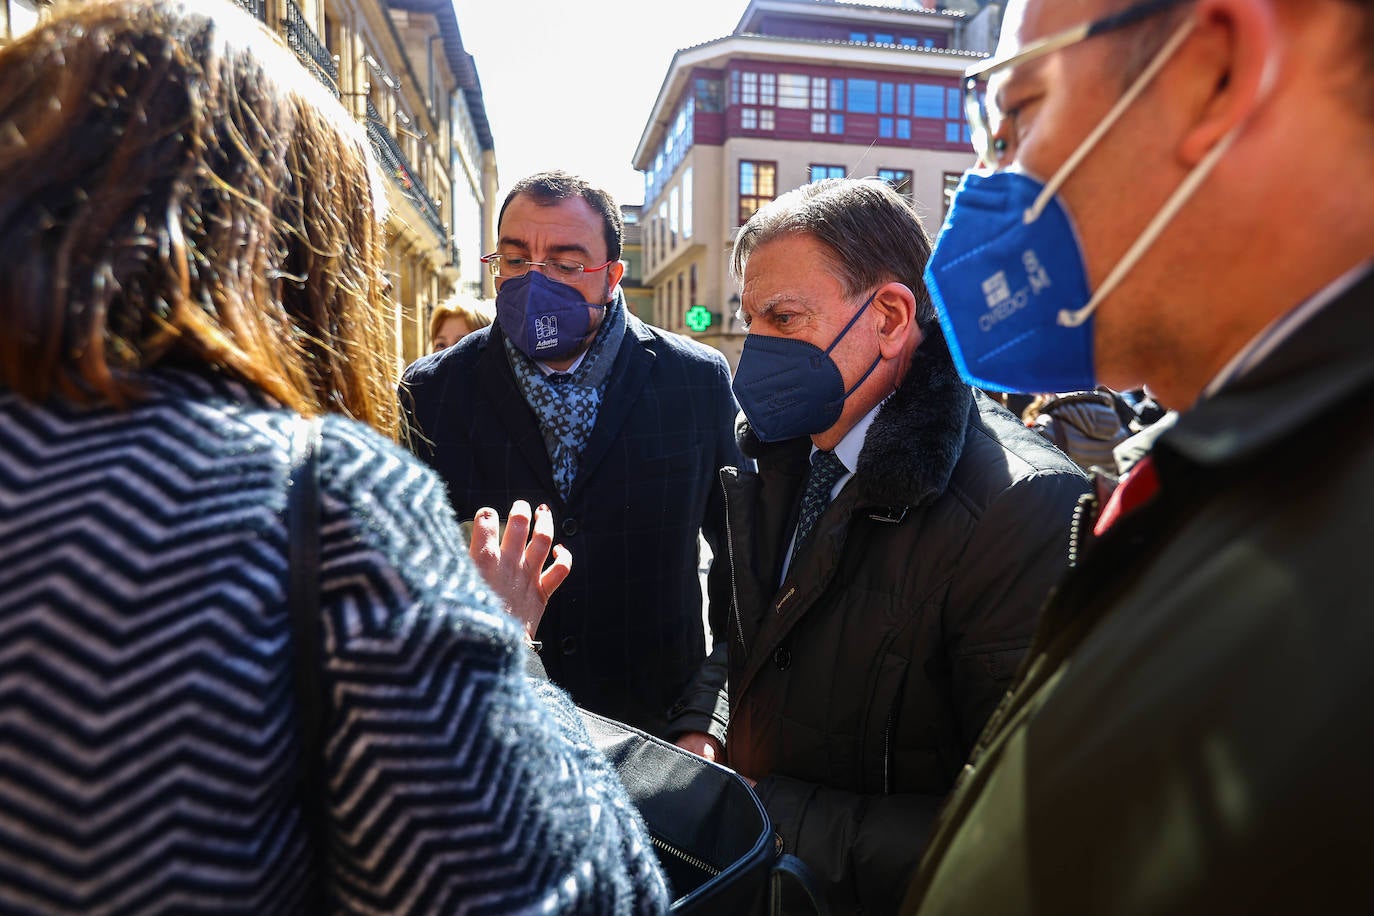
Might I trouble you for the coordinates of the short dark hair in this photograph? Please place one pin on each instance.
(871, 231)
(548, 188)
(1364, 46)
(1140, 43)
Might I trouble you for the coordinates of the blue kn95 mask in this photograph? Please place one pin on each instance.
(1007, 274)
(999, 281)
(545, 319)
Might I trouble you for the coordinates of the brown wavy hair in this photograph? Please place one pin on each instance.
(178, 190)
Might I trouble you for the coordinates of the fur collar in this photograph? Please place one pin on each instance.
(914, 442)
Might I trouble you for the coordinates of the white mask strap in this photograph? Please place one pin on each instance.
(1072, 319)
(1062, 174)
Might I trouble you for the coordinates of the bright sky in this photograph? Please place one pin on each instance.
(571, 85)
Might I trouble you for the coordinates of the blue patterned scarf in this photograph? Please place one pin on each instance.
(566, 404)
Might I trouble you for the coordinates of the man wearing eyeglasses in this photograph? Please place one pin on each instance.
(571, 402)
(1180, 191)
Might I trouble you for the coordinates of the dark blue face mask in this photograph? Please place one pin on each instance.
(545, 319)
(789, 388)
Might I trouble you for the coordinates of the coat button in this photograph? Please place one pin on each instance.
(569, 526)
(568, 645)
(782, 658)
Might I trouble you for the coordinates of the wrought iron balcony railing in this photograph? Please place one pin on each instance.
(316, 57)
(257, 7)
(395, 164)
(308, 46)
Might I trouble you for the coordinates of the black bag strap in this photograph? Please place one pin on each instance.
(303, 604)
(788, 866)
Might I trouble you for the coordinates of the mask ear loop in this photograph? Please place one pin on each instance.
(1108, 122)
(1073, 318)
(840, 336)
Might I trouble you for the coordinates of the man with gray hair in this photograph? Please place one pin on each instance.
(890, 554)
(1190, 732)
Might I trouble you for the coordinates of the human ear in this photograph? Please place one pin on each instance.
(1235, 51)
(894, 308)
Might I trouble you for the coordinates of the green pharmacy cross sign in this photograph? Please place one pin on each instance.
(698, 318)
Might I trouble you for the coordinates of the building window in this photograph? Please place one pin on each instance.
(674, 214)
(819, 87)
(886, 129)
(861, 37)
(883, 38)
(837, 94)
(951, 187)
(794, 91)
(681, 301)
(899, 179)
(863, 96)
(687, 203)
(749, 89)
(819, 172)
(837, 124)
(710, 95)
(756, 118)
(930, 101)
(818, 123)
(758, 184)
(768, 89)
(663, 229)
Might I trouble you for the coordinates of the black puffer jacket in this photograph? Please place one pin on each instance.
(859, 686)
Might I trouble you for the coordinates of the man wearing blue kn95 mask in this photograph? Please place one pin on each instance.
(1178, 194)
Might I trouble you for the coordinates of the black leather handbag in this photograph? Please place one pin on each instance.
(712, 834)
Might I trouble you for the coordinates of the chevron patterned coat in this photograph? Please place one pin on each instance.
(148, 751)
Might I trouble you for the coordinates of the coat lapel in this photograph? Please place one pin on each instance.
(499, 386)
(629, 376)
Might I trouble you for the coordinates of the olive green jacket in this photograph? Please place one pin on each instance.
(1191, 732)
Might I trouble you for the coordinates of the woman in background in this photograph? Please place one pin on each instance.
(456, 318)
(191, 262)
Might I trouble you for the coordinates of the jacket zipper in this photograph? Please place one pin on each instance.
(730, 552)
(699, 864)
(1083, 511)
(887, 749)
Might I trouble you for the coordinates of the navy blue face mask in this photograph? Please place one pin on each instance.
(545, 319)
(789, 388)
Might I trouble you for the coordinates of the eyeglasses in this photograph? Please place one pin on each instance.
(508, 267)
(982, 130)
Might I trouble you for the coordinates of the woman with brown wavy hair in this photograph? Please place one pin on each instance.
(190, 262)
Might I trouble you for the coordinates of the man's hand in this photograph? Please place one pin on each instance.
(703, 745)
(515, 569)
